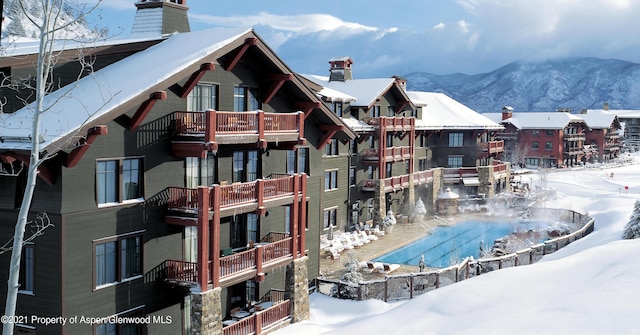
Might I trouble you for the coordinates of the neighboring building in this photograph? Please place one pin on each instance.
(184, 184)
(602, 137)
(629, 121)
(399, 154)
(542, 139)
(462, 141)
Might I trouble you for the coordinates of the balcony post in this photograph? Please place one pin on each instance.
(215, 236)
(257, 322)
(294, 216)
(203, 238)
(260, 195)
(261, 125)
(303, 212)
(259, 252)
(300, 120)
(210, 130)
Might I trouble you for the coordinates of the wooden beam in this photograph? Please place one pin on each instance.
(144, 109)
(236, 58)
(76, 154)
(401, 106)
(43, 172)
(183, 91)
(279, 80)
(330, 132)
(308, 106)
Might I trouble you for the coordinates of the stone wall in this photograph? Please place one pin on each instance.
(297, 289)
(206, 312)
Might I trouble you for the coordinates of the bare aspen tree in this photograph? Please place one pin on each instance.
(48, 21)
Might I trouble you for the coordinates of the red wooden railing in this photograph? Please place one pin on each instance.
(182, 271)
(275, 250)
(461, 172)
(260, 320)
(394, 122)
(238, 122)
(182, 198)
(237, 262)
(499, 167)
(397, 181)
(278, 187)
(492, 146)
(423, 176)
(236, 194)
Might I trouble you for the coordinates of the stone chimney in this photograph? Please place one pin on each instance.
(402, 82)
(606, 106)
(160, 17)
(507, 112)
(340, 69)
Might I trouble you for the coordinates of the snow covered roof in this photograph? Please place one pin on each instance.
(625, 113)
(599, 118)
(96, 97)
(442, 112)
(365, 91)
(538, 120)
(333, 95)
(357, 125)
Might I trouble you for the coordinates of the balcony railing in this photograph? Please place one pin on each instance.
(392, 123)
(492, 147)
(422, 177)
(574, 137)
(214, 127)
(184, 199)
(187, 272)
(396, 183)
(255, 323)
(391, 153)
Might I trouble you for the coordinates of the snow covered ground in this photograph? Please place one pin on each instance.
(591, 286)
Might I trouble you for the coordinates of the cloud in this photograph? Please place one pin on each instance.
(301, 24)
(439, 26)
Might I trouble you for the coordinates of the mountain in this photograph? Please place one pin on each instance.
(576, 83)
(17, 27)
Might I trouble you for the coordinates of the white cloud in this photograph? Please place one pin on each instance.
(439, 26)
(301, 24)
(463, 26)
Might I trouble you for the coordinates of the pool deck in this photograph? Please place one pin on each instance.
(402, 234)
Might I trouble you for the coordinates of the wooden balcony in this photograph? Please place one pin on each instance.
(259, 320)
(236, 267)
(492, 147)
(368, 185)
(390, 154)
(455, 175)
(182, 202)
(422, 177)
(392, 123)
(575, 137)
(198, 132)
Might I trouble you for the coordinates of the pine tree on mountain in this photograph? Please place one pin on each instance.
(632, 229)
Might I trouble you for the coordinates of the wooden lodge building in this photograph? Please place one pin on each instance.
(181, 184)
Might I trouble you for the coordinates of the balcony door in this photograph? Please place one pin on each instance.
(200, 171)
(245, 166)
(244, 230)
(190, 244)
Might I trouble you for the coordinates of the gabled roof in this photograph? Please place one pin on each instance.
(599, 119)
(538, 120)
(442, 112)
(624, 113)
(105, 94)
(365, 91)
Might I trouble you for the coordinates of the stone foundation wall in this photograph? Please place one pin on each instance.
(297, 289)
(206, 312)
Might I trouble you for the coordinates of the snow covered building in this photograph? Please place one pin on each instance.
(182, 184)
(542, 139)
(602, 134)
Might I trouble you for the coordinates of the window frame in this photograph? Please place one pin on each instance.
(456, 140)
(27, 269)
(245, 99)
(548, 146)
(330, 180)
(535, 145)
(330, 217)
(196, 97)
(119, 261)
(454, 161)
(117, 183)
(331, 148)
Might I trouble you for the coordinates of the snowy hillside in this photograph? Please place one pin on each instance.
(576, 83)
(17, 27)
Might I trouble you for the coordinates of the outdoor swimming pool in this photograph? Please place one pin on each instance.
(448, 245)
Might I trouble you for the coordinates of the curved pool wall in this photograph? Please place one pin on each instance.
(448, 245)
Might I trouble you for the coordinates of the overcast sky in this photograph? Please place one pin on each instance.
(439, 36)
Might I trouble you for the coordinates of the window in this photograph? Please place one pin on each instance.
(252, 227)
(200, 171)
(369, 172)
(303, 160)
(245, 166)
(549, 132)
(118, 180)
(548, 146)
(535, 145)
(331, 148)
(27, 269)
(389, 140)
(352, 176)
(121, 328)
(536, 132)
(391, 111)
(330, 180)
(287, 218)
(422, 164)
(330, 216)
(190, 244)
(389, 170)
(454, 161)
(245, 99)
(456, 140)
(117, 259)
(291, 162)
(337, 108)
(375, 111)
(203, 97)
(369, 209)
